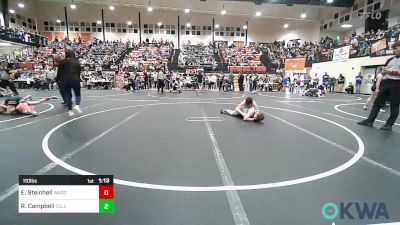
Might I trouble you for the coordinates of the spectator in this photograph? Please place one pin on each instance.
(341, 79)
(332, 83)
(359, 79)
(350, 89)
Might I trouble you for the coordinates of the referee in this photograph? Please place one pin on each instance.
(388, 91)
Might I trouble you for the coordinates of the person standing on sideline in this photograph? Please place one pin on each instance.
(5, 78)
(231, 79)
(221, 81)
(389, 90)
(240, 81)
(146, 81)
(68, 74)
(200, 78)
(325, 80)
(292, 83)
(155, 81)
(160, 78)
(359, 79)
(315, 81)
(50, 75)
(332, 83)
(255, 79)
(341, 79)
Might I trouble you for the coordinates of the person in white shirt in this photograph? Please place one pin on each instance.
(160, 78)
(154, 75)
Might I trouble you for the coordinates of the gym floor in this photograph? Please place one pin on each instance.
(177, 160)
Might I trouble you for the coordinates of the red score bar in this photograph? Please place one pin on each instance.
(106, 191)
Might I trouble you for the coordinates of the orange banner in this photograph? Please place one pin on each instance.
(25, 65)
(60, 35)
(295, 64)
(86, 36)
(49, 35)
(74, 35)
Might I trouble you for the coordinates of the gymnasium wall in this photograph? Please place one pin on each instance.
(350, 69)
(259, 29)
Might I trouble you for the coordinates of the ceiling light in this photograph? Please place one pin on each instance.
(73, 6)
(129, 23)
(303, 15)
(188, 25)
(223, 12)
(58, 21)
(21, 5)
(329, 1)
(285, 25)
(159, 24)
(111, 7)
(245, 27)
(187, 10)
(258, 13)
(149, 9)
(98, 21)
(12, 11)
(216, 25)
(346, 25)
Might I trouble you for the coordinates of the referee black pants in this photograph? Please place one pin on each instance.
(5, 83)
(389, 90)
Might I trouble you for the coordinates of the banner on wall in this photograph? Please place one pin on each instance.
(239, 44)
(341, 54)
(378, 45)
(73, 35)
(295, 64)
(86, 36)
(49, 35)
(60, 35)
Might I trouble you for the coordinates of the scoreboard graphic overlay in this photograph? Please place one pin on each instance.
(66, 194)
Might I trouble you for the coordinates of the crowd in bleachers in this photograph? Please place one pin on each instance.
(95, 57)
(98, 53)
(197, 56)
(243, 56)
(148, 57)
(323, 50)
(22, 35)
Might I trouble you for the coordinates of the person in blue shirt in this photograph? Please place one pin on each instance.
(285, 82)
(325, 79)
(359, 79)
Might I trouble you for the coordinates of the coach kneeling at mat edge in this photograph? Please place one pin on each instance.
(389, 90)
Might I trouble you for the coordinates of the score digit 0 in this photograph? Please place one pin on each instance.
(106, 191)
